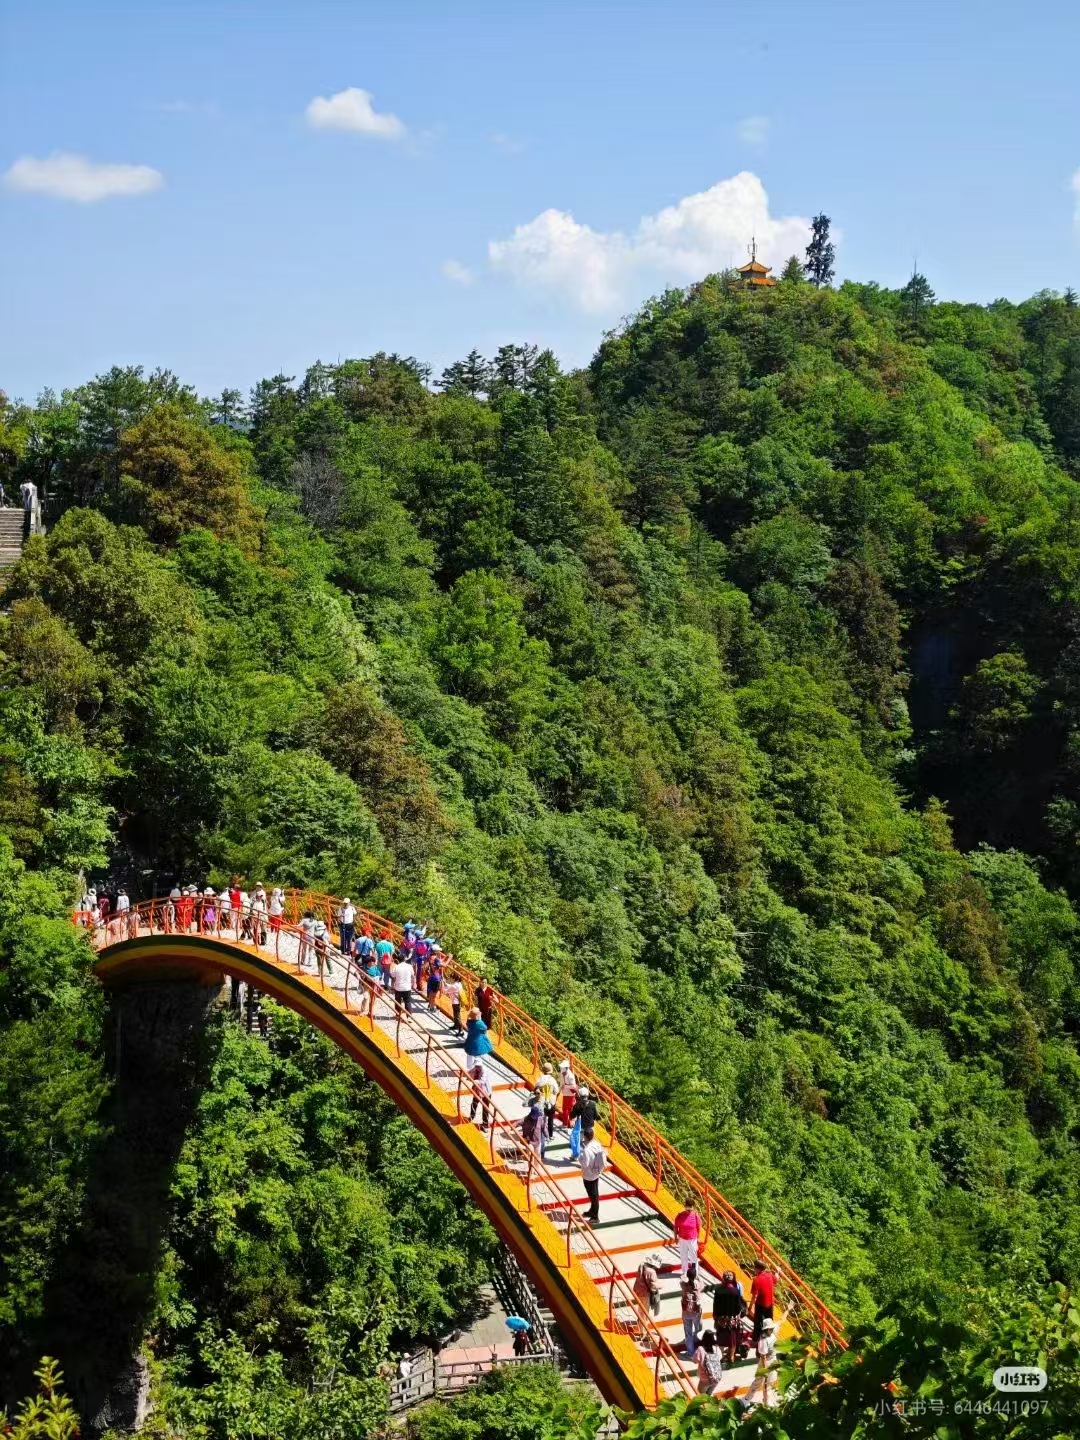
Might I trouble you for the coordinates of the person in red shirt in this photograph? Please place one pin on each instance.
(687, 1233)
(485, 1001)
(762, 1295)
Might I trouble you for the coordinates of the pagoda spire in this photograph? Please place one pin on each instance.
(754, 273)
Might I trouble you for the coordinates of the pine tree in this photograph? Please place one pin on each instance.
(793, 270)
(916, 298)
(820, 253)
(471, 376)
(228, 409)
(513, 366)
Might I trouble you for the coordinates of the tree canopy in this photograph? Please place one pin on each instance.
(721, 698)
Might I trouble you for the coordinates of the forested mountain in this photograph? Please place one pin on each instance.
(721, 700)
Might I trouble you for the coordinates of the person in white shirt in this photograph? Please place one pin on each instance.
(320, 936)
(593, 1163)
(567, 1091)
(307, 931)
(258, 916)
(122, 901)
(764, 1382)
(452, 990)
(346, 925)
(276, 907)
(481, 1092)
(401, 982)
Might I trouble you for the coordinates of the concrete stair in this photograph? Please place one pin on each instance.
(12, 524)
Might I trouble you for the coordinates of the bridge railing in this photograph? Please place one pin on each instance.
(436, 1377)
(505, 1141)
(648, 1146)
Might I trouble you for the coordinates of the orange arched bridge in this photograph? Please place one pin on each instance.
(584, 1272)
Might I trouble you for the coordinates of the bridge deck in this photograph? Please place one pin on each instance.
(585, 1273)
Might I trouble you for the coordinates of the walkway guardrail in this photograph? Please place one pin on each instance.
(648, 1146)
(507, 1147)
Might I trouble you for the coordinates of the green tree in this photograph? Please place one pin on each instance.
(820, 252)
(176, 478)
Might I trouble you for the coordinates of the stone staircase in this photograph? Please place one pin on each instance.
(12, 525)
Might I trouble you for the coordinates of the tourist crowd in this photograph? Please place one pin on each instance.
(419, 966)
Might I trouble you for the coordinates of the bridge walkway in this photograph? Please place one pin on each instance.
(584, 1273)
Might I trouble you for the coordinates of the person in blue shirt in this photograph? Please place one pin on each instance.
(384, 949)
(477, 1039)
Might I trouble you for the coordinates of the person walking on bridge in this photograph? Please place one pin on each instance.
(365, 947)
(453, 995)
(693, 1316)
(477, 1039)
(710, 1364)
(346, 917)
(764, 1381)
(401, 982)
(687, 1232)
(481, 1093)
(373, 975)
(434, 980)
(567, 1092)
(307, 936)
(384, 948)
(320, 937)
(548, 1087)
(593, 1163)
(762, 1296)
(485, 1001)
(728, 1305)
(584, 1109)
(534, 1126)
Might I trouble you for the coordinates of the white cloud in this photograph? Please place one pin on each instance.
(754, 130)
(458, 273)
(74, 177)
(353, 109)
(599, 270)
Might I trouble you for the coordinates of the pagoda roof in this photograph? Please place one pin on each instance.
(756, 267)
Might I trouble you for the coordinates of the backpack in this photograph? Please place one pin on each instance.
(712, 1362)
(528, 1126)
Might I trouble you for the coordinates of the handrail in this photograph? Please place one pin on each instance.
(127, 925)
(636, 1135)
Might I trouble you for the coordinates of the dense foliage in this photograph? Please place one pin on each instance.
(724, 697)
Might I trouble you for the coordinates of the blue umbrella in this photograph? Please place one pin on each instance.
(515, 1322)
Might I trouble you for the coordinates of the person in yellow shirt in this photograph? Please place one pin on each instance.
(547, 1087)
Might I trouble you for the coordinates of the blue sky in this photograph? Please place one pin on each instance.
(482, 172)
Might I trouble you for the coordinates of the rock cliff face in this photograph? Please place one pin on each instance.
(99, 1304)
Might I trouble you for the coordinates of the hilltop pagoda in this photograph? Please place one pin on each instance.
(754, 274)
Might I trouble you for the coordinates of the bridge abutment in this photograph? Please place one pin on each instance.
(100, 1302)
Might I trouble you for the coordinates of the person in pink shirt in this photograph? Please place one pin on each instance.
(687, 1232)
